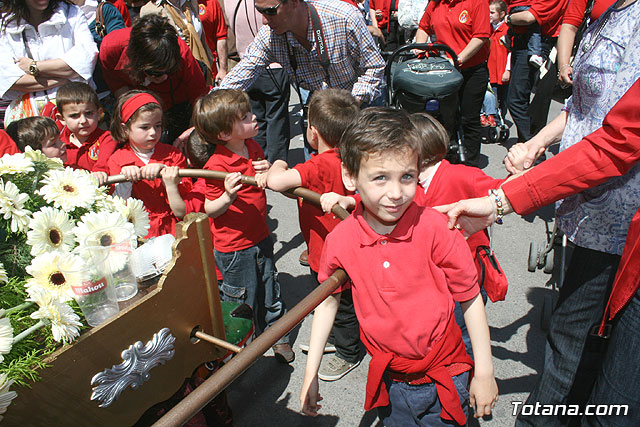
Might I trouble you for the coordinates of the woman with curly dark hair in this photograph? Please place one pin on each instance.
(43, 44)
(151, 56)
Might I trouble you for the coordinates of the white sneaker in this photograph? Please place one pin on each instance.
(328, 348)
(536, 60)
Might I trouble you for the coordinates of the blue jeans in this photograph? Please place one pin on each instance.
(489, 106)
(572, 358)
(618, 382)
(534, 46)
(418, 405)
(249, 276)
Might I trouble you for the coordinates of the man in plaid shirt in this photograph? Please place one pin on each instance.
(355, 61)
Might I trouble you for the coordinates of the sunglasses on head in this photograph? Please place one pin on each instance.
(270, 11)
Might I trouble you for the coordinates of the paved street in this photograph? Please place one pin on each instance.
(267, 394)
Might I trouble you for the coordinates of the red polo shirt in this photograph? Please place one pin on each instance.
(7, 146)
(548, 14)
(576, 8)
(186, 84)
(456, 22)
(213, 25)
(321, 174)
(244, 224)
(404, 283)
(93, 154)
(384, 6)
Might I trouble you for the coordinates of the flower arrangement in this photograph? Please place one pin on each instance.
(46, 211)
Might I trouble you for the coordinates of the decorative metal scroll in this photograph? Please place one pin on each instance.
(138, 360)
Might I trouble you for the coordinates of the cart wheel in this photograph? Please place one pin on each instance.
(504, 134)
(493, 135)
(533, 256)
(548, 261)
(547, 310)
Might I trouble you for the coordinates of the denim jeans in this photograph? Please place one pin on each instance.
(618, 382)
(489, 106)
(522, 79)
(269, 97)
(572, 356)
(249, 276)
(534, 46)
(418, 405)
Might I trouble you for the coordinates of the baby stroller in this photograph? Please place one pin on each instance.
(491, 119)
(429, 84)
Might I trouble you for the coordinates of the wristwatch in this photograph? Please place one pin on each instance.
(33, 68)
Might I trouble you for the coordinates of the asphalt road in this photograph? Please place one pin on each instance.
(267, 394)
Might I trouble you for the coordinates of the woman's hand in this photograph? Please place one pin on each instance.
(565, 74)
(23, 63)
(506, 76)
(471, 215)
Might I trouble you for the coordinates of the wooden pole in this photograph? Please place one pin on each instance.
(304, 193)
(221, 379)
(217, 341)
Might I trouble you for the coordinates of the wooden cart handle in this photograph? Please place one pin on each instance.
(304, 193)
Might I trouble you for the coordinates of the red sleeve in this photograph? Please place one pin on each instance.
(575, 12)
(194, 200)
(480, 19)
(425, 22)
(384, 6)
(111, 50)
(221, 25)
(548, 14)
(107, 148)
(7, 146)
(609, 151)
(215, 187)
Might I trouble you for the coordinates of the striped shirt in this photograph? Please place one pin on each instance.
(355, 61)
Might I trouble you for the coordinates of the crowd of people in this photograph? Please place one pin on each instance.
(146, 88)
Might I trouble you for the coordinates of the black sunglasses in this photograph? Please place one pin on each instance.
(154, 73)
(270, 11)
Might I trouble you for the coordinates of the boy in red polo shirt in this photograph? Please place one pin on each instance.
(330, 112)
(88, 146)
(406, 269)
(242, 241)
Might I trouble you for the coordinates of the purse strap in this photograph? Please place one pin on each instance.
(582, 27)
(101, 28)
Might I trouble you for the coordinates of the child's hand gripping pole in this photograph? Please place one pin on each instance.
(304, 193)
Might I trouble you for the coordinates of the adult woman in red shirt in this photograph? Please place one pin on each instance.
(464, 26)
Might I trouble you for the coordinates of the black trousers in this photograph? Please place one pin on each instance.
(475, 83)
(269, 97)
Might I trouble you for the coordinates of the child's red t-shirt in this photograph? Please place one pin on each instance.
(244, 224)
(94, 152)
(498, 55)
(321, 174)
(152, 192)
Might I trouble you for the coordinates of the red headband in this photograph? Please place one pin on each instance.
(132, 104)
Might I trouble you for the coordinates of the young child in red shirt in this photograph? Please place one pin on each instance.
(242, 241)
(88, 146)
(330, 112)
(137, 126)
(499, 62)
(39, 133)
(406, 269)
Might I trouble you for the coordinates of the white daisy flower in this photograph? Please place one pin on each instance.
(37, 156)
(47, 272)
(3, 274)
(6, 337)
(69, 189)
(50, 230)
(12, 206)
(97, 229)
(6, 396)
(64, 322)
(110, 203)
(137, 215)
(15, 163)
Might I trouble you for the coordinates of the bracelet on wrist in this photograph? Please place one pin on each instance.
(499, 206)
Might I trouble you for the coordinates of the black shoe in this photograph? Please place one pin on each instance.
(284, 353)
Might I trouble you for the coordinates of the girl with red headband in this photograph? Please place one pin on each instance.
(150, 168)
